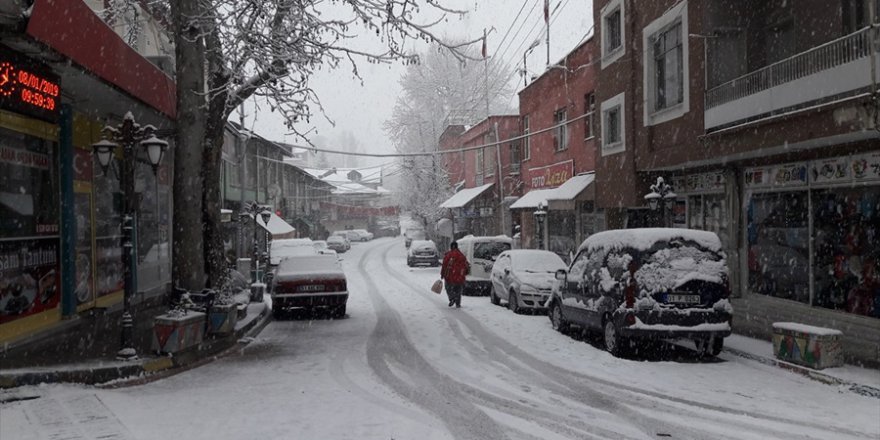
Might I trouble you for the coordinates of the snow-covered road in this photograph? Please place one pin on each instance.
(405, 366)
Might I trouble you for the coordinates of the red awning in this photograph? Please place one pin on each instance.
(66, 26)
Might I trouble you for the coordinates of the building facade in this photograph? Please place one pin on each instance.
(762, 118)
(558, 116)
(60, 244)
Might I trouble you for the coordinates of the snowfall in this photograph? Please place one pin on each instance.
(403, 365)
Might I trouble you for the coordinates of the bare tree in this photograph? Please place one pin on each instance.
(442, 90)
(231, 50)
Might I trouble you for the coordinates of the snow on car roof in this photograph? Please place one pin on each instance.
(421, 243)
(535, 258)
(309, 267)
(501, 237)
(291, 242)
(645, 238)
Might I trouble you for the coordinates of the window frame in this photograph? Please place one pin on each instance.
(678, 15)
(560, 131)
(527, 139)
(616, 103)
(589, 115)
(612, 54)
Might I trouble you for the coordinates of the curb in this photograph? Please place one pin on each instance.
(146, 369)
(810, 373)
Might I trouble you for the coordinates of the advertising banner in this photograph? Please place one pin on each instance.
(29, 278)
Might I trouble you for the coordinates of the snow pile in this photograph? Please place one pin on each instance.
(803, 328)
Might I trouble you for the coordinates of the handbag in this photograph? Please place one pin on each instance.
(437, 287)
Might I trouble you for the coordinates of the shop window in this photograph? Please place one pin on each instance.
(778, 239)
(108, 215)
(846, 259)
(708, 213)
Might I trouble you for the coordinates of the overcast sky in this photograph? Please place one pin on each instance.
(363, 108)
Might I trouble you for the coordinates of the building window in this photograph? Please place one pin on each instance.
(560, 133)
(665, 61)
(613, 37)
(479, 163)
(490, 164)
(514, 158)
(527, 140)
(589, 112)
(668, 75)
(613, 126)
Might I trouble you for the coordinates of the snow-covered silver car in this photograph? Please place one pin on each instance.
(647, 283)
(524, 278)
(422, 252)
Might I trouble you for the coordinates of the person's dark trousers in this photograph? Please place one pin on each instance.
(453, 291)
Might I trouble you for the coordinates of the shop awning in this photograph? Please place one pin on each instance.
(277, 227)
(533, 198)
(464, 197)
(573, 187)
(568, 191)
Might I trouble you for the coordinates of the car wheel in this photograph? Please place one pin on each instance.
(493, 297)
(513, 302)
(556, 319)
(613, 341)
(277, 313)
(709, 347)
(339, 312)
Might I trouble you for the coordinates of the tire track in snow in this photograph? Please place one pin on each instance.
(575, 381)
(389, 350)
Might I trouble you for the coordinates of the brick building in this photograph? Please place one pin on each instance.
(485, 213)
(554, 153)
(774, 147)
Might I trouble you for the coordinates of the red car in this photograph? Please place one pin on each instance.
(309, 282)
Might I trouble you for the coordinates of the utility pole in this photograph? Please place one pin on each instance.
(486, 70)
(500, 180)
(242, 175)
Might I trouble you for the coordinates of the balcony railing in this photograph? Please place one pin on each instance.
(829, 55)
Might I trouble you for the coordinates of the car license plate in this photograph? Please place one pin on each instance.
(683, 299)
(311, 288)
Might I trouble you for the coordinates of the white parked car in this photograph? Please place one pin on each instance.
(290, 247)
(481, 253)
(524, 278)
(364, 234)
(422, 252)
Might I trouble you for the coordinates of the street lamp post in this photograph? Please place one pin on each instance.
(540, 219)
(659, 199)
(128, 135)
(252, 211)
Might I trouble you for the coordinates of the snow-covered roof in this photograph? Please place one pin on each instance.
(276, 226)
(465, 196)
(645, 238)
(532, 199)
(370, 175)
(573, 187)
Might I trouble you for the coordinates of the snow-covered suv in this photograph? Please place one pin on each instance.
(647, 283)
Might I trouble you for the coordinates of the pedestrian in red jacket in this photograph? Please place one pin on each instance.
(455, 268)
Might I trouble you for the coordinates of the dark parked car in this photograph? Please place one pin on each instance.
(422, 252)
(647, 283)
(309, 282)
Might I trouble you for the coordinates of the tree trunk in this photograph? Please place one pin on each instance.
(188, 266)
(215, 256)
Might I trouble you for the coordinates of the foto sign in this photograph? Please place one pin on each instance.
(551, 176)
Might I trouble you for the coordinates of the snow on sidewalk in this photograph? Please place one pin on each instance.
(762, 350)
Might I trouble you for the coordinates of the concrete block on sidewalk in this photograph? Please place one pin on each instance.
(814, 347)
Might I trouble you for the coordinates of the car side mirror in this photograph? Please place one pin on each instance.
(561, 275)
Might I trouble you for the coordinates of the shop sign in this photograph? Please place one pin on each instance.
(551, 176)
(29, 278)
(831, 170)
(786, 175)
(28, 87)
(699, 183)
(866, 167)
(25, 158)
